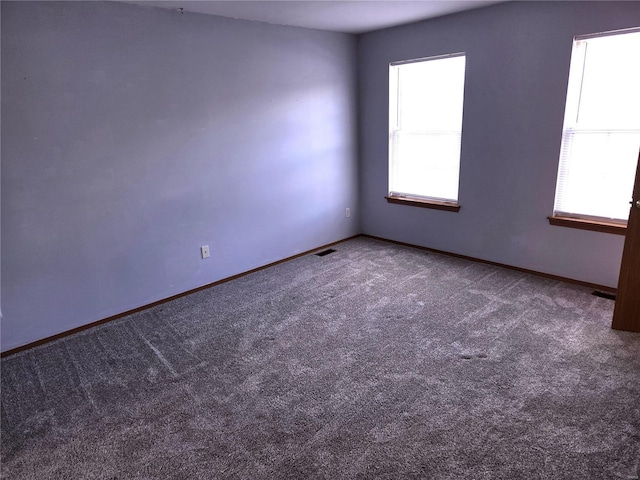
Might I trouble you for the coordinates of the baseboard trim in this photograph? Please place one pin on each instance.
(81, 328)
(117, 316)
(594, 286)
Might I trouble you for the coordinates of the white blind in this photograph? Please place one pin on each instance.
(601, 133)
(425, 127)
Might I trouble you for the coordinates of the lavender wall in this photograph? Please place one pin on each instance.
(131, 136)
(517, 68)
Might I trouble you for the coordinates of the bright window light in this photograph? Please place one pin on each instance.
(601, 133)
(425, 127)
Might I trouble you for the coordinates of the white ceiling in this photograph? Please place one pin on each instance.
(353, 16)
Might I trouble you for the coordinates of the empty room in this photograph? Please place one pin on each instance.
(320, 240)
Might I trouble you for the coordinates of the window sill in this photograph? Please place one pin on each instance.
(593, 225)
(420, 202)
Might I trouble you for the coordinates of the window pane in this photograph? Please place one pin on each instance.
(598, 173)
(610, 95)
(430, 95)
(427, 162)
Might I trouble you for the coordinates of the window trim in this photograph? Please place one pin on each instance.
(584, 221)
(592, 224)
(451, 205)
(424, 59)
(424, 202)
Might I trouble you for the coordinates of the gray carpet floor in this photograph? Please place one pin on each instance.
(376, 361)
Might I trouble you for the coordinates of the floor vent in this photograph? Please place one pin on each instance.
(325, 252)
(609, 296)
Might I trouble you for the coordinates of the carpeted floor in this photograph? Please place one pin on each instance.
(376, 361)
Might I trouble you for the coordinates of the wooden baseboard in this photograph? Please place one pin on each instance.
(594, 286)
(228, 279)
(159, 302)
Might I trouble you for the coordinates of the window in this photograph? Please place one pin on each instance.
(601, 133)
(425, 130)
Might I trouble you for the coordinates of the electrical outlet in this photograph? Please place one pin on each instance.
(204, 250)
(347, 212)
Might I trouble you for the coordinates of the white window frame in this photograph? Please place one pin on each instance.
(447, 135)
(566, 203)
